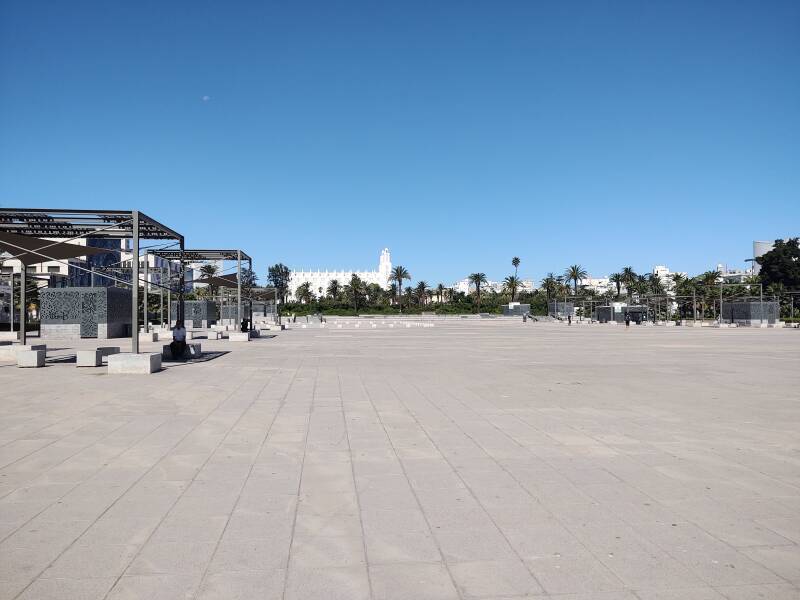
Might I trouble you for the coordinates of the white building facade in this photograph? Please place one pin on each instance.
(465, 287)
(320, 280)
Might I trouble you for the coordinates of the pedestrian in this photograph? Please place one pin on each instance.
(569, 319)
(627, 320)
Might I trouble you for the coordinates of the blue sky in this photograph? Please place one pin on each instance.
(458, 134)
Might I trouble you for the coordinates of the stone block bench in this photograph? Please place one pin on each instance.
(30, 358)
(193, 350)
(140, 364)
(150, 336)
(9, 351)
(213, 335)
(94, 358)
(239, 336)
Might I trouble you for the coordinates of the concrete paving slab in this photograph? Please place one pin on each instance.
(479, 459)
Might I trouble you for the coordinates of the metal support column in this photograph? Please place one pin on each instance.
(161, 295)
(11, 310)
(181, 290)
(249, 274)
(145, 304)
(135, 284)
(23, 334)
(239, 286)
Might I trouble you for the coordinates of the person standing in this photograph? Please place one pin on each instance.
(627, 320)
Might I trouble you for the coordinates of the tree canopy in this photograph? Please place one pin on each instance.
(781, 264)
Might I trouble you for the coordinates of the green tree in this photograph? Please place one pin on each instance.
(629, 280)
(279, 275)
(617, 280)
(576, 274)
(398, 274)
(334, 290)
(440, 293)
(477, 280)
(510, 285)
(355, 291)
(207, 271)
(515, 262)
(781, 264)
(420, 292)
(303, 294)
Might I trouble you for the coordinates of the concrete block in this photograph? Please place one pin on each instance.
(126, 362)
(150, 336)
(193, 350)
(30, 358)
(89, 358)
(108, 350)
(213, 335)
(9, 352)
(239, 336)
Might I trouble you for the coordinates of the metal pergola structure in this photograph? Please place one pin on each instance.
(71, 224)
(199, 255)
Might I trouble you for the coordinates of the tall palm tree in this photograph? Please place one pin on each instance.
(515, 263)
(655, 284)
(629, 279)
(304, 293)
(334, 289)
(207, 271)
(397, 275)
(355, 290)
(440, 292)
(478, 279)
(576, 274)
(420, 291)
(510, 284)
(551, 285)
(617, 280)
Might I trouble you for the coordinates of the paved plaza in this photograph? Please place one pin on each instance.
(473, 459)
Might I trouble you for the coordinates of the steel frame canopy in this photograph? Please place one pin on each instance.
(69, 224)
(197, 255)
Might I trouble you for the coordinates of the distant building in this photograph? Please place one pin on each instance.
(320, 280)
(759, 250)
(465, 287)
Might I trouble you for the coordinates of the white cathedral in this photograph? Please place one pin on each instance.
(319, 280)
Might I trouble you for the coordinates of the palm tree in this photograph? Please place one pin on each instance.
(392, 291)
(655, 284)
(420, 290)
(515, 263)
(440, 290)
(576, 274)
(629, 279)
(334, 289)
(477, 279)
(551, 285)
(304, 293)
(355, 290)
(397, 275)
(510, 285)
(207, 271)
(617, 280)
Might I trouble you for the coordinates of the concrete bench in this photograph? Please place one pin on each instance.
(94, 358)
(213, 335)
(150, 336)
(9, 351)
(193, 350)
(238, 336)
(30, 358)
(140, 364)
